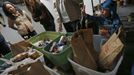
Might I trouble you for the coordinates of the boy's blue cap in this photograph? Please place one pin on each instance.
(104, 6)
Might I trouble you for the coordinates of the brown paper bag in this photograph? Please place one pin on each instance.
(35, 68)
(19, 47)
(82, 44)
(109, 51)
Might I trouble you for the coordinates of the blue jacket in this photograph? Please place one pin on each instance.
(112, 21)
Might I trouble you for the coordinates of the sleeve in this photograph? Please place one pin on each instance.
(58, 19)
(92, 17)
(45, 11)
(36, 13)
(27, 16)
(116, 23)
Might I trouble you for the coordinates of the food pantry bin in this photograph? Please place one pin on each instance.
(7, 56)
(17, 48)
(59, 59)
(42, 36)
(41, 58)
(81, 70)
(10, 56)
(32, 68)
(51, 71)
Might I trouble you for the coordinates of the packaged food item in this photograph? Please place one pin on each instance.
(34, 55)
(42, 43)
(58, 46)
(20, 57)
(31, 53)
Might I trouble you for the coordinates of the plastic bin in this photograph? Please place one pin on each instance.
(51, 71)
(14, 52)
(97, 40)
(42, 36)
(7, 56)
(24, 62)
(59, 59)
(81, 70)
(34, 68)
(40, 58)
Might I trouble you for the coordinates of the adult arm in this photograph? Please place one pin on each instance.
(27, 16)
(116, 22)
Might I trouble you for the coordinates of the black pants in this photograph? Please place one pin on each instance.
(30, 34)
(49, 25)
(72, 26)
(4, 48)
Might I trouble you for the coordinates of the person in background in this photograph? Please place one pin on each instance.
(123, 3)
(68, 14)
(18, 20)
(108, 21)
(4, 48)
(41, 14)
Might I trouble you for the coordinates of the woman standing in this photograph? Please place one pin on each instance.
(18, 20)
(41, 14)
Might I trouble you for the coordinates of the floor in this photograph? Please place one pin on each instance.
(125, 67)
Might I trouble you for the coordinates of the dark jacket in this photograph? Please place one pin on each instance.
(112, 21)
(72, 9)
(42, 14)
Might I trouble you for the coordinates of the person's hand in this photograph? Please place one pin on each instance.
(104, 32)
(97, 13)
(83, 10)
(105, 12)
(60, 28)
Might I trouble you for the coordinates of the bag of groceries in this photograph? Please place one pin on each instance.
(35, 68)
(83, 49)
(110, 51)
